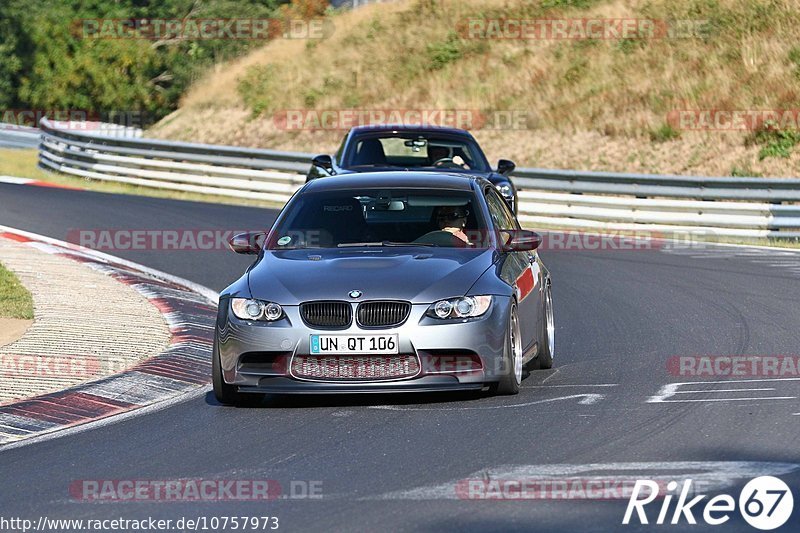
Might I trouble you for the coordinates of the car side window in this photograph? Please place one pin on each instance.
(499, 211)
(340, 151)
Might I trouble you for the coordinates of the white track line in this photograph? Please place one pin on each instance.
(14, 180)
(587, 399)
(671, 389)
(732, 399)
(587, 385)
(710, 391)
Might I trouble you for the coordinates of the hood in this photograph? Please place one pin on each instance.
(418, 275)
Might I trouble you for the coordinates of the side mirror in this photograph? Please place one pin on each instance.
(323, 161)
(520, 240)
(247, 243)
(505, 167)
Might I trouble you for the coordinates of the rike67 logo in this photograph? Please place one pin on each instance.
(765, 503)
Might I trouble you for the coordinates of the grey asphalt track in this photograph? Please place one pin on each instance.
(620, 315)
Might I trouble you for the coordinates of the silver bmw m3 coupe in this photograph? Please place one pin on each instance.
(386, 282)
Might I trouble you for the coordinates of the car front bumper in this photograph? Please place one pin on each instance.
(440, 348)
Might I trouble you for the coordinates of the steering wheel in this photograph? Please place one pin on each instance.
(446, 162)
(442, 238)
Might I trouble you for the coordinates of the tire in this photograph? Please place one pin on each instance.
(512, 358)
(224, 393)
(544, 359)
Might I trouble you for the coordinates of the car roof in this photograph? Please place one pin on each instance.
(382, 128)
(392, 179)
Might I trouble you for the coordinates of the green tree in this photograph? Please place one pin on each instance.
(47, 61)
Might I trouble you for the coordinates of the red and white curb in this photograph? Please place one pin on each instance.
(183, 368)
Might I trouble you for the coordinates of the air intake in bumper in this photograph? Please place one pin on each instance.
(355, 367)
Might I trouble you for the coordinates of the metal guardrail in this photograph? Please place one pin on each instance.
(12, 136)
(15, 136)
(602, 201)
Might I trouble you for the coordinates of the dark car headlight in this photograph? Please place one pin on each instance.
(249, 309)
(464, 307)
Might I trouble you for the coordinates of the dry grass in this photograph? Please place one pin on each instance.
(592, 104)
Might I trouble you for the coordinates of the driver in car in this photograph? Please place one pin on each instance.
(437, 154)
(453, 220)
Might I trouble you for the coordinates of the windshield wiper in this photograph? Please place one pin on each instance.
(375, 165)
(394, 243)
(382, 243)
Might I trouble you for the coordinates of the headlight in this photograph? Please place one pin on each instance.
(465, 307)
(273, 311)
(443, 309)
(247, 309)
(506, 190)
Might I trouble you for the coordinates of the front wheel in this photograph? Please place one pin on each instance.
(545, 358)
(512, 360)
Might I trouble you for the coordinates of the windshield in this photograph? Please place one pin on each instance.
(418, 151)
(380, 218)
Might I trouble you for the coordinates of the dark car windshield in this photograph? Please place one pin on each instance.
(381, 218)
(417, 150)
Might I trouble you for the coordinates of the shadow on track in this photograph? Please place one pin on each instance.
(308, 401)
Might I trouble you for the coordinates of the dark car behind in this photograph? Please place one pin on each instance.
(418, 148)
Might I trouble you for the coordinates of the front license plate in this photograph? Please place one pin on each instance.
(354, 344)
